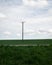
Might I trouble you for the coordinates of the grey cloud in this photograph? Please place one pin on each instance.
(10, 2)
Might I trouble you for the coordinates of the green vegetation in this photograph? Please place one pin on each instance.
(29, 55)
(26, 55)
(14, 42)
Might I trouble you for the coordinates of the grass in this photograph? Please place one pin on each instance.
(30, 55)
(15, 42)
(26, 55)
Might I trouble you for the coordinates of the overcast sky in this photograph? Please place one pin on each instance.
(37, 15)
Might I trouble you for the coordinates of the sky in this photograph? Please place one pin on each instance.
(36, 15)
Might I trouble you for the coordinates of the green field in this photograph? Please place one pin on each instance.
(30, 55)
(25, 55)
(16, 42)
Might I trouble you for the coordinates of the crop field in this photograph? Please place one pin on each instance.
(40, 54)
(25, 42)
(29, 55)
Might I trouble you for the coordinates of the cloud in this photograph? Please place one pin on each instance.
(10, 2)
(50, 11)
(42, 31)
(18, 34)
(2, 15)
(33, 3)
(34, 18)
(39, 20)
(16, 13)
(29, 30)
(50, 31)
(7, 33)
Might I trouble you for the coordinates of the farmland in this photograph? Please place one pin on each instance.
(22, 42)
(25, 55)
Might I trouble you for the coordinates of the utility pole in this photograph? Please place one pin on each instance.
(22, 30)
